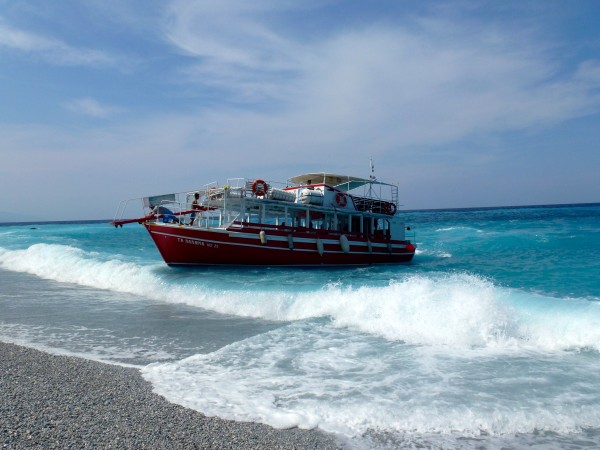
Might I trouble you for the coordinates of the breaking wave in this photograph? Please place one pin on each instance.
(453, 310)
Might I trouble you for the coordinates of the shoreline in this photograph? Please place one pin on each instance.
(56, 401)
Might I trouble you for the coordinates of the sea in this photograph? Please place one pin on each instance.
(489, 338)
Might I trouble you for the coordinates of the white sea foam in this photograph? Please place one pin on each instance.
(309, 375)
(460, 229)
(447, 310)
(417, 356)
(434, 253)
(40, 339)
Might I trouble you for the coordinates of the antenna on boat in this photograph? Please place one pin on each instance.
(372, 176)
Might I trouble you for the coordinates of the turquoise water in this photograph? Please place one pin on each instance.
(489, 338)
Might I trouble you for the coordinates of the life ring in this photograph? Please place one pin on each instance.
(390, 209)
(259, 188)
(341, 199)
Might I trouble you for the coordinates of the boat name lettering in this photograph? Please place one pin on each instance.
(197, 242)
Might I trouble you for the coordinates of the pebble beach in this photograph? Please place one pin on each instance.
(50, 401)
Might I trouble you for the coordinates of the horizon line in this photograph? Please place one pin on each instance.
(467, 208)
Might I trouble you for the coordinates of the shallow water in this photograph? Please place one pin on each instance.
(489, 338)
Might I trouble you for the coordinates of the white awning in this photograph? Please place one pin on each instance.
(341, 182)
(330, 179)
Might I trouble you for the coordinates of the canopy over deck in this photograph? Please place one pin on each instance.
(341, 182)
(330, 179)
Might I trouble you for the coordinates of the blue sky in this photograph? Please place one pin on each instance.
(463, 103)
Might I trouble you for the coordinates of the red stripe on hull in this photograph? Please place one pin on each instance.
(193, 246)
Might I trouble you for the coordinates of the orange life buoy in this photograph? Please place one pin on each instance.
(341, 199)
(259, 187)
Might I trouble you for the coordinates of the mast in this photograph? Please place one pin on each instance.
(372, 176)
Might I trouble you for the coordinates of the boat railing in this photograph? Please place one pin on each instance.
(240, 188)
(224, 205)
(376, 197)
(236, 183)
(156, 208)
(168, 210)
(125, 206)
(260, 188)
(231, 220)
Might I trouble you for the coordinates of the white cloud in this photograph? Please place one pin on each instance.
(235, 46)
(427, 91)
(234, 32)
(52, 50)
(90, 107)
(428, 84)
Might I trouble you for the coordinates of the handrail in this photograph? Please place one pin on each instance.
(232, 197)
(121, 208)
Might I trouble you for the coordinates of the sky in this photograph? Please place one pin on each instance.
(462, 103)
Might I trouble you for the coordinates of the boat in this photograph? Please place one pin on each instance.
(314, 219)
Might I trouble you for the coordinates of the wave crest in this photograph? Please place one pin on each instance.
(448, 310)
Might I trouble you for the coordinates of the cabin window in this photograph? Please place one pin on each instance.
(343, 223)
(334, 223)
(356, 224)
(382, 227)
(302, 218)
(297, 222)
(367, 225)
(253, 215)
(348, 224)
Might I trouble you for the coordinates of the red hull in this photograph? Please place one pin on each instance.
(182, 245)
